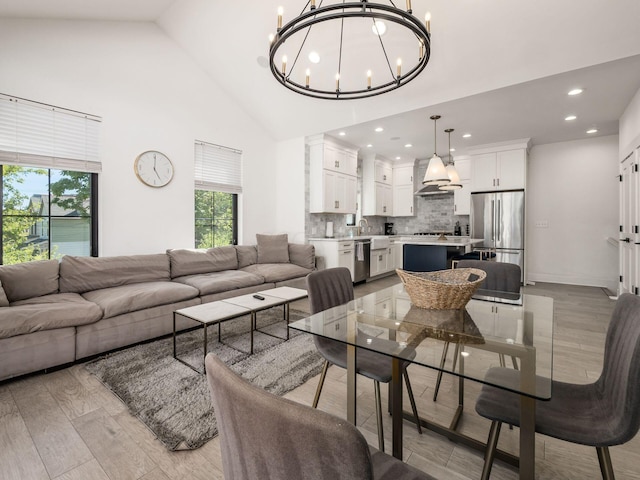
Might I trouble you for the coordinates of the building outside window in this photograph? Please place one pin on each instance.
(218, 184)
(49, 164)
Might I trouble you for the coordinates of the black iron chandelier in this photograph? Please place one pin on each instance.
(347, 50)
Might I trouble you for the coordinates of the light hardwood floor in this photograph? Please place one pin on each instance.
(65, 425)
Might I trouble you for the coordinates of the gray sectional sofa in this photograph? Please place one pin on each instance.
(56, 312)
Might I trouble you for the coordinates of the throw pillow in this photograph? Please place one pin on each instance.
(29, 279)
(273, 248)
(302, 254)
(4, 301)
(247, 255)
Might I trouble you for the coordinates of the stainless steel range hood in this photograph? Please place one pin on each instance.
(431, 190)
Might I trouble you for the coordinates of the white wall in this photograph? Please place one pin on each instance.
(290, 189)
(151, 96)
(630, 127)
(573, 186)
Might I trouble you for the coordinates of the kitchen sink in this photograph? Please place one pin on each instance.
(378, 242)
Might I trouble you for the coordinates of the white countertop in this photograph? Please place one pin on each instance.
(451, 241)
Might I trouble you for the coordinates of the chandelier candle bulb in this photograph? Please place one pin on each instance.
(427, 21)
(399, 68)
(284, 64)
(280, 13)
(271, 38)
(409, 6)
(308, 77)
(368, 78)
(313, 4)
(337, 82)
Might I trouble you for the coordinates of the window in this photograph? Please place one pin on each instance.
(218, 182)
(49, 166)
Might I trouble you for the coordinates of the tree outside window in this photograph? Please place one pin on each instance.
(46, 213)
(215, 218)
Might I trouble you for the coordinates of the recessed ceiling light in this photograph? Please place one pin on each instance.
(593, 130)
(342, 134)
(397, 158)
(408, 145)
(369, 145)
(575, 91)
(314, 57)
(452, 149)
(466, 135)
(378, 28)
(379, 129)
(570, 117)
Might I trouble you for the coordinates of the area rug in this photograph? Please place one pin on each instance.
(173, 401)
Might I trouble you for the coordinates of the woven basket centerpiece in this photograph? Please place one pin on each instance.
(442, 289)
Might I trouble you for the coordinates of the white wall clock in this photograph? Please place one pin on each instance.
(153, 168)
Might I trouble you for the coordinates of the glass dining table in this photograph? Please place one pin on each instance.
(519, 326)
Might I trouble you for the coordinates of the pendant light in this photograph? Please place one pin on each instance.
(451, 170)
(436, 173)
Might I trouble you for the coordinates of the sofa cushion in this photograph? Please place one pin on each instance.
(217, 282)
(191, 262)
(247, 255)
(303, 255)
(138, 296)
(273, 248)
(47, 312)
(84, 274)
(277, 272)
(4, 301)
(29, 279)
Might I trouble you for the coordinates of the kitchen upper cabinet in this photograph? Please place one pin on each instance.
(377, 189)
(462, 196)
(403, 188)
(504, 169)
(332, 176)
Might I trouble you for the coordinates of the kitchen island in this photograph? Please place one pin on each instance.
(426, 253)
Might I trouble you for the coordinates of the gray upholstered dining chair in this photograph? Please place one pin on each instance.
(600, 414)
(266, 436)
(330, 288)
(502, 277)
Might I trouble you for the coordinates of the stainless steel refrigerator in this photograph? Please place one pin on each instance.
(498, 217)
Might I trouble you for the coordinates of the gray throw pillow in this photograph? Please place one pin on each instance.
(273, 248)
(302, 255)
(247, 255)
(4, 301)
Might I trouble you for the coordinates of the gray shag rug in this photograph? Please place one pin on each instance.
(174, 402)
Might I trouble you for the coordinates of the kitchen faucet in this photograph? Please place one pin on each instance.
(366, 222)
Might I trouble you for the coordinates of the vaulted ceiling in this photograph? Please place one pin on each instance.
(500, 69)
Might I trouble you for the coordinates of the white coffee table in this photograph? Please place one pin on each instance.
(230, 308)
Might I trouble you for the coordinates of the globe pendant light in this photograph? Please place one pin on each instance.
(451, 170)
(436, 173)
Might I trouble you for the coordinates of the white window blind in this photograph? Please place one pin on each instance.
(38, 135)
(218, 168)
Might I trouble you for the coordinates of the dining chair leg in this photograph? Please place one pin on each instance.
(411, 399)
(442, 360)
(503, 364)
(376, 386)
(515, 363)
(490, 453)
(316, 398)
(606, 467)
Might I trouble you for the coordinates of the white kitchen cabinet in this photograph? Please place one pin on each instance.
(403, 188)
(333, 176)
(462, 196)
(499, 170)
(336, 253)
(381, 261)
(377, 196)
